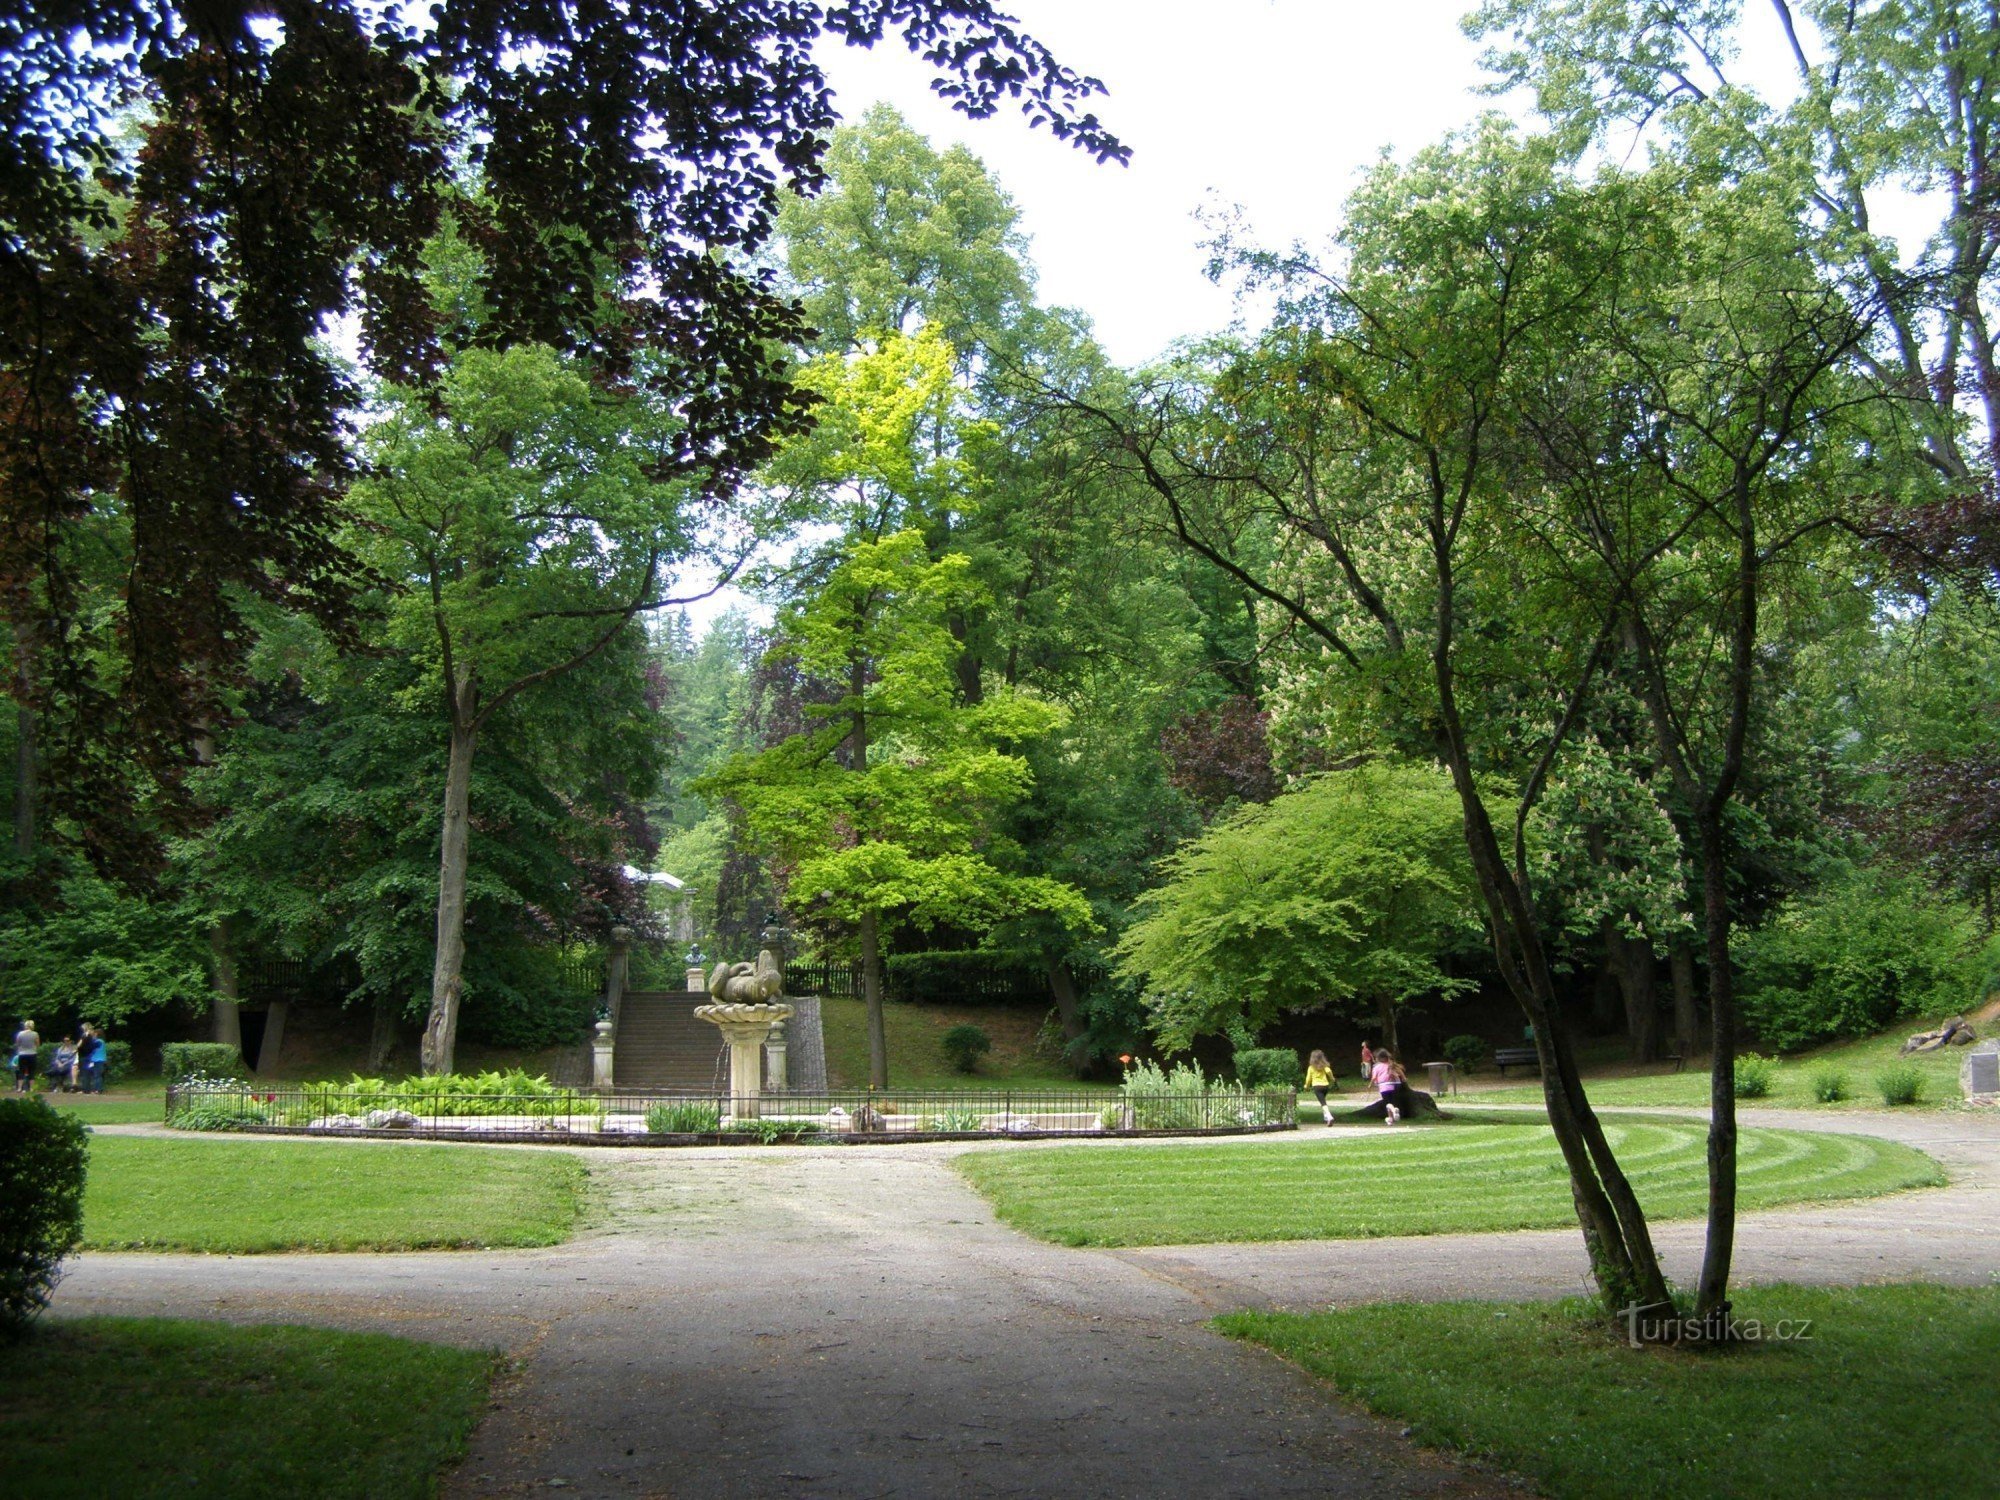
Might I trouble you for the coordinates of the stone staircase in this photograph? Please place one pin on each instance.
(662, 1048)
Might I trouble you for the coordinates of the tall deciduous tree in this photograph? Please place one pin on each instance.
(1390, 468)
(524, 517)
(1887, 106)
(886, 808)
(161, 308)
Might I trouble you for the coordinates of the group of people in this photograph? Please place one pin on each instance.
(1378, 1067)
(76, 1065)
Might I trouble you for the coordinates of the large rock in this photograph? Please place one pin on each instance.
(1957, 1032)
(391, 1119)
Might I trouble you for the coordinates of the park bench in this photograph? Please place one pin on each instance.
(1515, 1057)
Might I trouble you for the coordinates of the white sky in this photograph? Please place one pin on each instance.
(1273, 105)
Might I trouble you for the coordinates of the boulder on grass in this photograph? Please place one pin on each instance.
(1957, 1032)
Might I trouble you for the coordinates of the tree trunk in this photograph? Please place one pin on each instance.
(1631, 960)
(1711, 1296)
(25, 770)
(225, 1014)
(1605, 995)
(1069, 1013)
(1385, 1011)
(1615, 1233)
(871, 991)
(448, 974)
(225, 1011)
(1687, 1019)
(382, 1033)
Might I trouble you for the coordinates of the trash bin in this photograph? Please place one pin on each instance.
(1443, 1078)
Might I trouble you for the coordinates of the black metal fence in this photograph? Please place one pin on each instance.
(823, 977)
(588, 1118)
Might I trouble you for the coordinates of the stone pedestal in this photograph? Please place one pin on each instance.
(697, 981)
(600, 1057)
(774, 1057)
(1979, 1074)
(744, 1027)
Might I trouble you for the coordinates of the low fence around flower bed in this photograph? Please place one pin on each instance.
(588, 1118)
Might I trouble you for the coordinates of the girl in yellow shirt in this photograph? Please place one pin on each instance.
(1319, 1078)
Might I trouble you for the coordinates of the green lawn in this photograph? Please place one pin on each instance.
(246, 1197)
(136, 1104)
(1889, 1395)
(1791, 1089)
(1451, 1178)
(916, 1055)
(153, 1407)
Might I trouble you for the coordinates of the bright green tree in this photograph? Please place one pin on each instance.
(528, 516)
(1351, 891)
(885, 808)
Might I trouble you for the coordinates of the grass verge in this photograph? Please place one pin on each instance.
(159, 1407)
(916, 1053)
(1791, 1085)
(1462, 1177)
(1886, 1395)
(248, 1197)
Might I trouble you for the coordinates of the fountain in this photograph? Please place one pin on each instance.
(745, 1014)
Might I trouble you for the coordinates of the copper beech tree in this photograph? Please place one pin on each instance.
(192, 195)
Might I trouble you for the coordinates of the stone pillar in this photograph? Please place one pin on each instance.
(600, 1057)
(744, 1027)
(697, 982)
(616, 969)
(774, 1057)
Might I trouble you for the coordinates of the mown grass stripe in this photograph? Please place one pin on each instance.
(1453, 1179)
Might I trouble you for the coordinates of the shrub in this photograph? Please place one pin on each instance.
(220, 1109)
(1900, 1084)
(770, 1132)
(43, 1153)
(1853, 956)
(959, 1120)
(1268, 1068)
(965, 1045)
(182, 1060)
(513, 1091)
(683, 1117)
(117, 1061)
(1181, 1099)
(1754, 1076)
(1465, 1053)
(1829, 1085)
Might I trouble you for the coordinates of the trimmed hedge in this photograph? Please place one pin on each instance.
(180, 1060)
(1268, 1068)
(961, 977)
(117, 1061)
(43, 1154)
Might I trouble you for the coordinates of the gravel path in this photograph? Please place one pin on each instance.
(836, 1322)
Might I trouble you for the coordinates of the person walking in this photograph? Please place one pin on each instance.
(27, 1056)
(1319, 1078)
(1388, 1077)
(1367, 1062)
